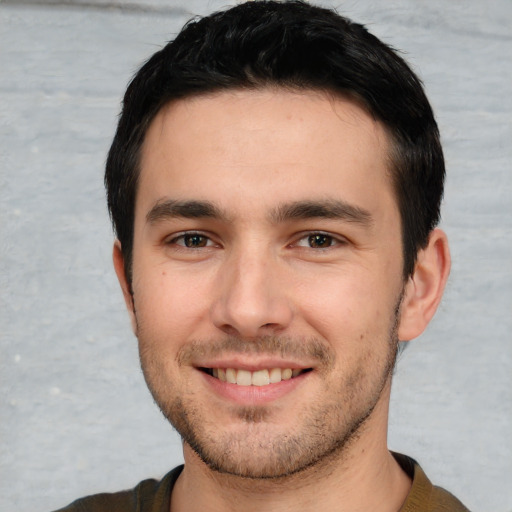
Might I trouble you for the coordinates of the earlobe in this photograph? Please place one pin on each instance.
(118, 259)
(424, 290)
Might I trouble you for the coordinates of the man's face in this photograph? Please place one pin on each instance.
(267, 246)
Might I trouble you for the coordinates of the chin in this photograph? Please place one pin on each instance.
(256, 447)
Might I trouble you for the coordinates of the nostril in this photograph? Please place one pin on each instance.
(245, 312)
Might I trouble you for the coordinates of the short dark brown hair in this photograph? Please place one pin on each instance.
(296, 45)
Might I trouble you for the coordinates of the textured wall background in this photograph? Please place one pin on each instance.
(75, 416)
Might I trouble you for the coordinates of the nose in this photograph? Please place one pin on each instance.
(251, 297)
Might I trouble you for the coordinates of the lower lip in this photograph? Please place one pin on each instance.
(254, 395)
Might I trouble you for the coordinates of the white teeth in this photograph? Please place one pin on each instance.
(260, 378)
(286, 374)
(243, 378)
(275, 375)
(231, 375)
(257, 378)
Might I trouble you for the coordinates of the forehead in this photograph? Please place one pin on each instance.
(264, 146)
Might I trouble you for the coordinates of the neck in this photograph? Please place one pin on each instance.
(364, 476)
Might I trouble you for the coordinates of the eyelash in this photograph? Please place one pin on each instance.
(310, 237)
(189, 234)
(319, 235)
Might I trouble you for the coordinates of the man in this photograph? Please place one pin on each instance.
(275, 184)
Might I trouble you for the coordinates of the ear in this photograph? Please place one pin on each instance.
(424, 290)
(118, 258)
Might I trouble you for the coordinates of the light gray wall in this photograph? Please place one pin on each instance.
(75, 416)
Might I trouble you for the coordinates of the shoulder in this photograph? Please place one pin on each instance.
(423, 496)
(125, 501)
(444, 501)
(148, 496)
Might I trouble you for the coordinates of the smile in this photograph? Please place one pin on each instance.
(262, 377)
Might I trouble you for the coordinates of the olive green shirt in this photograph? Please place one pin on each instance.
(155, 496)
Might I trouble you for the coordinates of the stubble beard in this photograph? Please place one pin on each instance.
(323, 432)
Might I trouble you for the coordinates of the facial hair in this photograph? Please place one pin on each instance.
(258, 448)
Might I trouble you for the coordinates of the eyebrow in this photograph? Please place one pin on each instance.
(327, 209)
(297, 210)
(170, 208)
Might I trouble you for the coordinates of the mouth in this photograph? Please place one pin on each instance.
(263, 377)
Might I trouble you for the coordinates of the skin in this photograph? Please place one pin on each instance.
(267, 235)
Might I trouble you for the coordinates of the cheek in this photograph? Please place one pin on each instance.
(349, 309)
(338, 301)
(168, 305)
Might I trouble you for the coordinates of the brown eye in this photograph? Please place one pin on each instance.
(195, 240)
(320, 241)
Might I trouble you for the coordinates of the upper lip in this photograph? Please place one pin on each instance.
(251, 364)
